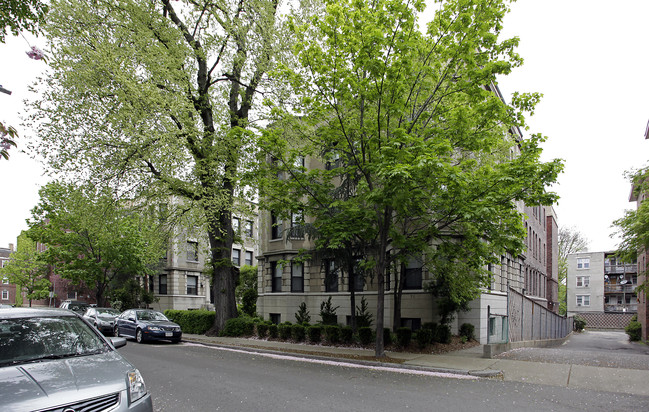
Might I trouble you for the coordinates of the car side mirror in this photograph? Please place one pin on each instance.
(118, 342)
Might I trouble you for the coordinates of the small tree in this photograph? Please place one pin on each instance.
(328, 312)
(363, 316)
(302, 315)
(27, 270)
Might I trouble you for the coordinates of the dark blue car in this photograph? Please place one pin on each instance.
(147, 324)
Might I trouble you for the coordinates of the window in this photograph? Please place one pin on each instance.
(583, 300)
(72, 295)
(192, 251)
(236, 257)
(248, 228)
(331, 276)
(583, 263)
(357, 279)
(583, 281)
(5, 281)
(297, 277)
(236, 225)
(275, 226)
(276, 276)
(162, 284)
(151, 288)
(412, 274)
(192, 285)
(248, 258)
(413, 323)
(297, 225)
(275, 318)
(5, 295)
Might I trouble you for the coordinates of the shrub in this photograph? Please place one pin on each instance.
(328, 312)
(347, 334)
(314, 333)
(387, 337)
(363, 316)
(332, 332)
(634, 330)
(579, 323)
(298, 332)
(443, 334)
(249, 302)
(365, 335)
(238, 327)
(468, 331)
(284, 330)
(192, 321)
(302, 316)
(273, 331)
(262, 330)
(424, 337)
(404, 336)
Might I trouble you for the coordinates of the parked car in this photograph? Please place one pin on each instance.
(51, 360)
(147, 324)
(102, 318)
(75, 305)
(5, 306)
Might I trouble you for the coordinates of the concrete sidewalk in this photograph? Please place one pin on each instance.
(465, 362)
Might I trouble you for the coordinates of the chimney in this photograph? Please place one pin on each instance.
(11, 247)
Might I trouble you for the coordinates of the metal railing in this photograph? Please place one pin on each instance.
(630, 268)
(631, 307)
(620, 288)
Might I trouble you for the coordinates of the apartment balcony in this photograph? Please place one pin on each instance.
(620, 269)
(620, 288)
(631, 307)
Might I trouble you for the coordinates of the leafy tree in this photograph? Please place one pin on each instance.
(159, 97)
(16, 16)
(93, 238)
(570, 241)
(422, 152)
(27, 270)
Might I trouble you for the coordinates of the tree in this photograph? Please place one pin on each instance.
(570, 241)
(157, 97)
(17, 16)
(27, 270)
(93, 239)
(423, 155)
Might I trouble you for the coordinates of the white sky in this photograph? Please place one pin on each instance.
(588, 57)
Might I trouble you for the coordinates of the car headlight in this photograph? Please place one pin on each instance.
(136, 386)
(154, 328)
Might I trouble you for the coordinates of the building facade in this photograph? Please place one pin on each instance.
(7, 290)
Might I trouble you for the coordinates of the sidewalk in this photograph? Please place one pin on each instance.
(463, 362)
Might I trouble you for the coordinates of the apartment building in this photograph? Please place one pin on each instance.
(7, 290)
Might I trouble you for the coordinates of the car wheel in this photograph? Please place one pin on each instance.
(138, 336)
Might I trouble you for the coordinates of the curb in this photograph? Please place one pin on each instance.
(487, 373)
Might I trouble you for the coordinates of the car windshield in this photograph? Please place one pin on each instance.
(40, 338)
(107, 312)
(149, 315)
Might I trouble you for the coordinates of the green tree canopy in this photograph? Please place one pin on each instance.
(424, 156)
(28, 270)
(19, 15)
(158, 97)
(92, 237)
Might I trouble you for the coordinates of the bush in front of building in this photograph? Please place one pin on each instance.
(388, 339)
(332, 333)
(302, 315)
(241, 326)
(262, 329)
(347, 334)
(315, 333)
(285, 330)
(404, 336)
(365, 335)
(273, 331)
(579, 323)
(298, 332)
(192, 321)
(468, 331)
(424, 337)
(443, 334)
(634, 329)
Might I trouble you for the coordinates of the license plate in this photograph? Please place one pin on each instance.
(169, 334)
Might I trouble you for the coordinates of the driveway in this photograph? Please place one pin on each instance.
(589, 348)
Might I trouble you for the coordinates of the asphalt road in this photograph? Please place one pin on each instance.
(189, 377)
(590, 348)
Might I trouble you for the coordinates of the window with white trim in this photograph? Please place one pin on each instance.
(583, 263)
(5, 281)
(5, 295)
(583, 300)
(236, 257)
(583, 281)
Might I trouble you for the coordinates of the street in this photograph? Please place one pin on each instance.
(191, 377)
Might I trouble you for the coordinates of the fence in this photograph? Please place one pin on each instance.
(526, 320)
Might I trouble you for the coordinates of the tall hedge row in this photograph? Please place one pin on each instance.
(191, 321)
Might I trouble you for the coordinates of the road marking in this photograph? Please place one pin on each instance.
(297, 358)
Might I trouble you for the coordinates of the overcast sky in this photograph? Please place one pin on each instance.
(588, 57)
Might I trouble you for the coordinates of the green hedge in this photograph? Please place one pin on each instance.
(242, 326)
(315, 333)
(424, 337)
(298, 332)
(192, 321)
(404, 336)
(332, 332)
(284, 330)
(634, 330)
(273, 331)
(467, 330)
(365, 335)
(347, 334)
